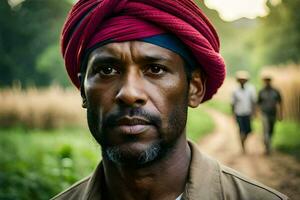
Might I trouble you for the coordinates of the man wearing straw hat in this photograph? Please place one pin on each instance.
(139, 65)
(270, 104)
(243, 105)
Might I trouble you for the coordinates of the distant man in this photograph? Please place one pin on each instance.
(243, 105)
(139, 65)
(270, 104)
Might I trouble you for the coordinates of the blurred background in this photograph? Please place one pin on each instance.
(45, 144)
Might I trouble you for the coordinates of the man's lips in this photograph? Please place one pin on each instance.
(132, 125)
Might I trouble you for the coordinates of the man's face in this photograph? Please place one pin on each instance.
(267, 82)
(137, 99)
(242, 81)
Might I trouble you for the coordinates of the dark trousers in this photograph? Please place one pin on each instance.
(268, 122)
(244, 123)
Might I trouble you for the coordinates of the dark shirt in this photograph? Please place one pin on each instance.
(268, 98)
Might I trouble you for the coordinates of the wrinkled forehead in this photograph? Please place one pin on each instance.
(133, 50)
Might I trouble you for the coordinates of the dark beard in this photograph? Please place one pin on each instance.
(117, 156)
(168, 136)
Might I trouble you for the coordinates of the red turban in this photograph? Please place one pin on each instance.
(91, 22)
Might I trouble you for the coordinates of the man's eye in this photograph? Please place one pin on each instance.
(156, 69)
(108, 71)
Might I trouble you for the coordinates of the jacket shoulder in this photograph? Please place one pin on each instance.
(237, 186)
(76, 191)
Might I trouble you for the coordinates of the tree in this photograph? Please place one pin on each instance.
(26, 32)
(279, 33)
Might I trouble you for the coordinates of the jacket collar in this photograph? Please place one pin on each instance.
(204, 181)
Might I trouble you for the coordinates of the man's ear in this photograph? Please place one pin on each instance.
(82, 92)
(197, 88)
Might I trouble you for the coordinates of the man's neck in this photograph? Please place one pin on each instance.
(268, 87)
(164, 179)
(242, 86)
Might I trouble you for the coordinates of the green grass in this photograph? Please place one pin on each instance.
(220, 106)
(38, 164)
(287, 137)
(199, 124)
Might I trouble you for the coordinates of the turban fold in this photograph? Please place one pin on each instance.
(92, 22)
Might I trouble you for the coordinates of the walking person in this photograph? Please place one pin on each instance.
(243, 105)
(270, 104)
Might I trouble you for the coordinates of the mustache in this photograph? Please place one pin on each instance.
(113, 118)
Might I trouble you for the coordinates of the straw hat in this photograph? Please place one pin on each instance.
(242, 75)
(265, 76)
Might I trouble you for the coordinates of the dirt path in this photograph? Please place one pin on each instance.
(279, 171)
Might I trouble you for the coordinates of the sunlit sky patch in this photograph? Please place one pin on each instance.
(14, 3)
(230, 10)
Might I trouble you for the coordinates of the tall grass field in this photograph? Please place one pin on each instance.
(47, 108)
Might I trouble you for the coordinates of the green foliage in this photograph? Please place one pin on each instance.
(280, 34)
(199, 123)
(251, 44)
(287, 137)
(236, 38)
(51, 63)
(221, 106)
(26, 31)
(39, 164)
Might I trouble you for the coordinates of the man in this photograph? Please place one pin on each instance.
(137, 64)
(270, 104)
(243, 105)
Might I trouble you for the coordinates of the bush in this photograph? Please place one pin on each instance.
(41, 164)
(199, 123)
(287, 137)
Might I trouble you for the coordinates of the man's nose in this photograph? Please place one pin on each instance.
(132, 91)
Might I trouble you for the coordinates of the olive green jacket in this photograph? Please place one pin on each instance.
(208, 180)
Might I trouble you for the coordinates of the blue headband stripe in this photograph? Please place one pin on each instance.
(174, 44)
